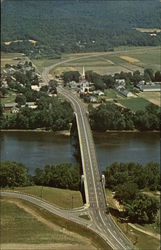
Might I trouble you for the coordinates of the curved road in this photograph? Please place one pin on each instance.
(95, 197)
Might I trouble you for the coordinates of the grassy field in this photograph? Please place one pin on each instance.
(108, 62)
(59, 197)
(11, 58)
(18, 225)
(101, 62)
(26, 226)
(134, 104)
(154, 97)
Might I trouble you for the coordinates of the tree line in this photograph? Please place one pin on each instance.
(15, 174)
(110, 116)
(128, 180)
(77, 26)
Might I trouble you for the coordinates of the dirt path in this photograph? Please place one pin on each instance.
(156, 236)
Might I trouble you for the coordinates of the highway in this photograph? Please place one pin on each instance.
(95, 197)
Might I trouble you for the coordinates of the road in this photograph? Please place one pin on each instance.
(95, 197)
(100, 221)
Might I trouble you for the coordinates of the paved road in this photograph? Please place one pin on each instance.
(95, 197)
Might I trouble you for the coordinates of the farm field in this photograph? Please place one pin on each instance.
(25, 226)
(134, 104)
(126, 59)
(154, 97)
(123, 58)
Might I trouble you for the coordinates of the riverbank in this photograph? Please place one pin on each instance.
(63, 132)
(67, 132)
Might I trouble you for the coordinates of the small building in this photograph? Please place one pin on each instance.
(93, 99)
(120, 82)
(10, 106)
(73, 85)
(150, 87)
(35, 87)
(14, 110)
(126, 93)
(98, 92)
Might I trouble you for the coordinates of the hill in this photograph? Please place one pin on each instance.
(53, 27)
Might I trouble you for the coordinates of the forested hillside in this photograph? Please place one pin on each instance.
(53, 27)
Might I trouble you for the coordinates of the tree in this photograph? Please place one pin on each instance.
(20, 100)
(13, 174)
(143, 209)
(158, 76)
(149, 74)
(126, 192)
(4, 91)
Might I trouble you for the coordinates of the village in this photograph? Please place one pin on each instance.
(21, 85)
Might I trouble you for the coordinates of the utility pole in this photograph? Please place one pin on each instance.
(41, 191)
(72, 201)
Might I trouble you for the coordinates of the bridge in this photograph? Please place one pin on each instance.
(102, 222)
(96, 207)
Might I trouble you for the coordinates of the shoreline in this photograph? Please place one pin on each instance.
(67, 132)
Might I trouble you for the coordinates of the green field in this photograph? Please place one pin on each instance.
(20, 226)
(59, 197)
(26, 226)
(134, 103)
(112, 94)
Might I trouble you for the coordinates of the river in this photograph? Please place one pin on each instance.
(36, 149)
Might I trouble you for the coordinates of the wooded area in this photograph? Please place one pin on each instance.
(55, 27)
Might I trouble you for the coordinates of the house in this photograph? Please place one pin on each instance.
(35, 87)
(120, 82)
(31, 105)
(98, 92)
(73, 85)
(125, 92)
(10, 106)
(14, 110)
(93, 99)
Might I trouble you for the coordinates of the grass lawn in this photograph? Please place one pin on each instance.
(134, 104)
(59, 197)
(112, 94)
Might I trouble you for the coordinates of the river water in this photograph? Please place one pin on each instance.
(36, 149)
